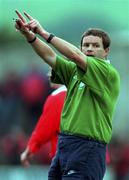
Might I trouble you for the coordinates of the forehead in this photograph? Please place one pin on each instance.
(92, 39)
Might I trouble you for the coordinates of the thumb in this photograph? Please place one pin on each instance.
(24, 159)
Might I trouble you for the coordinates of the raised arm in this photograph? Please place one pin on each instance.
(70, 51)
(40, 47)
(64, 47)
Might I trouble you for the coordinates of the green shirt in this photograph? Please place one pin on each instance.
(91, 97)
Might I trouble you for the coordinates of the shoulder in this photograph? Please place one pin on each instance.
(98, 65)
(114, 74)
(98, 61)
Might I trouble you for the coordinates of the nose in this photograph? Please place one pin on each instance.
(90, 48)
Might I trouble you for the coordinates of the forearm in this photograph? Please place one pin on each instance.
(37, 139)
(42, 49)
(67, 49)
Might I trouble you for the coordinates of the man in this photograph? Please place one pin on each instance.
(92, 91)
(48, 125)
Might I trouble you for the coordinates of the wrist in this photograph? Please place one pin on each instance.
(49, 39)
(27, 150)
(45, 34)
(29, 36)
(32, 40)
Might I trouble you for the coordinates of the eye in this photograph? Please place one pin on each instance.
(86, 45)
(96, 45)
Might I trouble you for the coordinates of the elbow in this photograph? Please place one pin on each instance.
(73, 56)
(79, 60)
(50, 60)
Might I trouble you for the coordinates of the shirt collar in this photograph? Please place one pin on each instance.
(107, 61)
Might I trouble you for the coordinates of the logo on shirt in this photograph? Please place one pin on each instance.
(81, 85)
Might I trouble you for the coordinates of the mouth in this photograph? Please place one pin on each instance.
(91, 55)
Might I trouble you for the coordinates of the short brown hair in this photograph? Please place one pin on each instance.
(100, 33)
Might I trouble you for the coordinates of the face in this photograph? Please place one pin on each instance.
(93, 46)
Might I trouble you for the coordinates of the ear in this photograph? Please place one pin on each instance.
(107, 51)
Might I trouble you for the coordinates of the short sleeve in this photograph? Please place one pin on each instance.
(63, 71)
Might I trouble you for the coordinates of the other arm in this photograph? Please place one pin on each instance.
(46, 128)
(40, 47)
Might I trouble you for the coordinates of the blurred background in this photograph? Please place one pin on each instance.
(24, 85)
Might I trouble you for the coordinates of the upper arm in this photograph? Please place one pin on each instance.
(80, 59)
(51, 60)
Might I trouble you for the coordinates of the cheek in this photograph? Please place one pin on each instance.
(83, 49)
(100, 51)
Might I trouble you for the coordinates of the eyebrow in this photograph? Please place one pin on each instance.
(90, 43)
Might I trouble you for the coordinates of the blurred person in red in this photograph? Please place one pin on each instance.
(47, 127)
(33, 90)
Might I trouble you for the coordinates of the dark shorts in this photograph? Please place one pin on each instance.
(78, 158)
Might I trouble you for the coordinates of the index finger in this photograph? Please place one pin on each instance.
(20, 16)
(28, 16)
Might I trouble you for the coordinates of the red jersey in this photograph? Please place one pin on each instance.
(47, 127)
